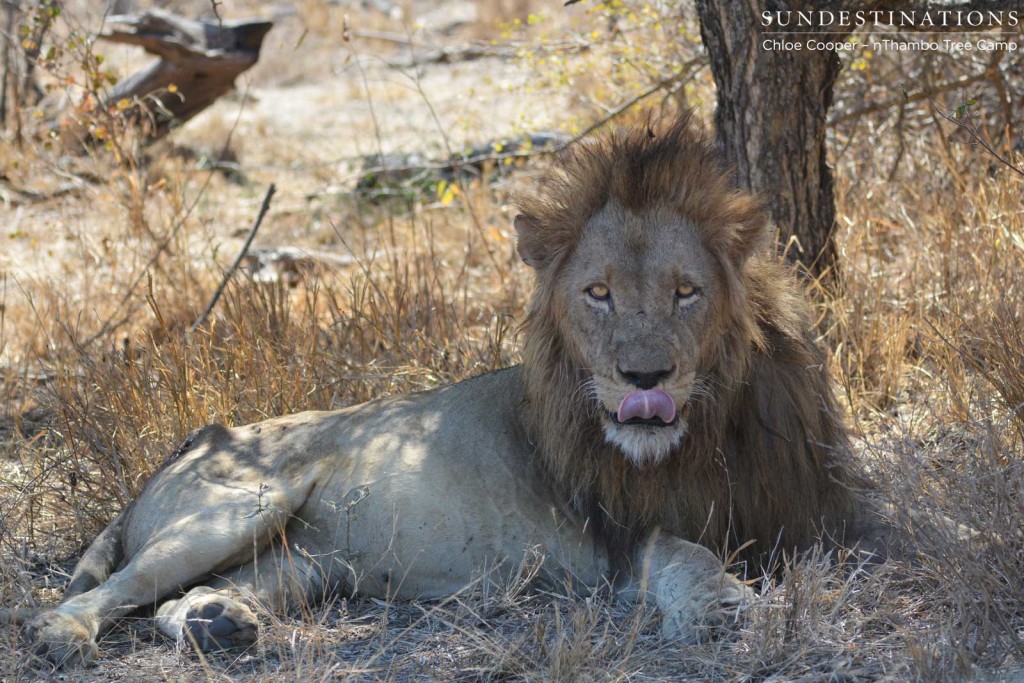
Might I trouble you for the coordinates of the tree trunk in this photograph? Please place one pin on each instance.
(771, 120)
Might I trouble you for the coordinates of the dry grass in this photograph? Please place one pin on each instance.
(100, 376)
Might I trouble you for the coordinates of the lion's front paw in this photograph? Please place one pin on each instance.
(715, 606)
(217, 622)
(62, 640)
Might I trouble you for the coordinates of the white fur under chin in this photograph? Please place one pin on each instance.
(643, 446)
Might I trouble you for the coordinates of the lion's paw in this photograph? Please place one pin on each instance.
(714, 608)
(61, 639)
(217, 622)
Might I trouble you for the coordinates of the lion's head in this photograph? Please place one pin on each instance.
(639, 245)
(670, 373)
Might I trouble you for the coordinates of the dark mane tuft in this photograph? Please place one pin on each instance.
(643, 169)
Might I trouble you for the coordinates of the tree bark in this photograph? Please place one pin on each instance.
(772, 108)
(9, 10)
(771, 121)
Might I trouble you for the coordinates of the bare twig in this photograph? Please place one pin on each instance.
(671, 85)
(215, 6)
(238, 259)
(907, 98)
(966, 124)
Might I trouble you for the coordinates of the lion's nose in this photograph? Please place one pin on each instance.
(645, 379)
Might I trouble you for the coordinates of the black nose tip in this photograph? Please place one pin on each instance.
(645, 379)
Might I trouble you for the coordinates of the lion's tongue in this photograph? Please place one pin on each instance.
(647, 404)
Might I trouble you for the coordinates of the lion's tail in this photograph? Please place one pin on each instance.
(101, 559)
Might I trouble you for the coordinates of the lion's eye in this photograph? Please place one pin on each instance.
(598, 292)
(686, 291)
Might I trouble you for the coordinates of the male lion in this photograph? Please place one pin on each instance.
(670, 395)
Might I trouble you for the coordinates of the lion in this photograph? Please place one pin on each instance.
(671, 408)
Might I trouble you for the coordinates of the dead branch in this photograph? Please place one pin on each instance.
(11, 195)
(238, 259)
(426, 53)
(199, 62)
(291, 265)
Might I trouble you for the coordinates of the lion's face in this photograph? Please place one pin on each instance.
(638, 294)
(639, 240)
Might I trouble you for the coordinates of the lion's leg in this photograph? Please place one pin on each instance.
(689, 585)
(218, 616)
(185, 548)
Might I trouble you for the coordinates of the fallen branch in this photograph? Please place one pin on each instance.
(198, 63)
(382, 172)
(403, 168)
(430, 53)
(289, 264)
(238, 259)
(458, 53)
(10, 195)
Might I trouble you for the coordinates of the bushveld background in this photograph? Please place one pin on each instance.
(109, 253)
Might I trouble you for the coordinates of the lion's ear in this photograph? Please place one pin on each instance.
(749, 230)
(529, 242)
(748, 238)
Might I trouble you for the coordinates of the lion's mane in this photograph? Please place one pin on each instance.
(767, 458)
